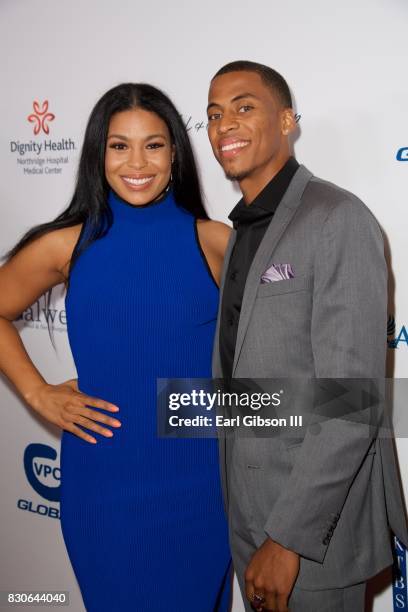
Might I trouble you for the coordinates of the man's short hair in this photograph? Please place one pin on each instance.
(270, 77)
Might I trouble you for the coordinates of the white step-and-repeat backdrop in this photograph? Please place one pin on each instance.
(347, 66)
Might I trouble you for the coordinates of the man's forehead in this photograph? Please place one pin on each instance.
(237, 84)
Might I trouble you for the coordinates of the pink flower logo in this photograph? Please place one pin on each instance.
(40, 117)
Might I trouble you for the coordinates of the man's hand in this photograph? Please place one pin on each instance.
(271, 575)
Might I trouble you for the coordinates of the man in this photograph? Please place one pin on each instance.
(309, 520)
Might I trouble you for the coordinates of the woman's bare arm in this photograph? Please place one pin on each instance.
(35, 269)
(29, 274)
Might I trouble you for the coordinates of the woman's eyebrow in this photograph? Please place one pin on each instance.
(118, 136)
(158, 135)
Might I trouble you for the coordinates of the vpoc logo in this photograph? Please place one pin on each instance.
(44, 476)
(393, 338)
(402, 154)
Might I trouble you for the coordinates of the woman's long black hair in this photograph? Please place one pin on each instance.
(89, 202)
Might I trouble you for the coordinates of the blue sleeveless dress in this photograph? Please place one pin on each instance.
(142, 517)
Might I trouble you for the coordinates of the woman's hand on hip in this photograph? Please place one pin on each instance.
(64, 405)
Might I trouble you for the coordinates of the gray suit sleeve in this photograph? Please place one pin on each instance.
(348, 341)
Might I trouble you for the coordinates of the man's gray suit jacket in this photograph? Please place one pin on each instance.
(330, 497)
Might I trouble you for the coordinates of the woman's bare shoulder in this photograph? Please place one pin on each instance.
(66, 237)
(64, 241)
(58, 244)
(38, 266)
(52, 251)
(215, 234)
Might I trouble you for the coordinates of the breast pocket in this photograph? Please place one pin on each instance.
(277, 340)
(291, 285)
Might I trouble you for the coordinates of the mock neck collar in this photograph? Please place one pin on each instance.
(124, 210)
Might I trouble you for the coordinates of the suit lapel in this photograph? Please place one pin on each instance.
(273, 234)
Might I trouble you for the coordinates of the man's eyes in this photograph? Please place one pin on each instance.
(245, 108)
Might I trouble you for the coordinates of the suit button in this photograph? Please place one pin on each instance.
(233, 275)
(231, 320)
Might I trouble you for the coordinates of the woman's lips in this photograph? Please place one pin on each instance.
(137, 183)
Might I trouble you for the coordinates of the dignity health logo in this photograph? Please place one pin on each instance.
(44, 477)
(46, 156)
(41, 117)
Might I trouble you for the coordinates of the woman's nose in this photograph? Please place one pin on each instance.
(137, 159)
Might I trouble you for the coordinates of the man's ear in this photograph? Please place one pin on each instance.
(288, 121)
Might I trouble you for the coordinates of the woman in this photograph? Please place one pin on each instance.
(141, 516)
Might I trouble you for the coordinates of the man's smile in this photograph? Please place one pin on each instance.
(230, 147)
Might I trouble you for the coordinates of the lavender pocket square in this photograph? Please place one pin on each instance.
(277, 272)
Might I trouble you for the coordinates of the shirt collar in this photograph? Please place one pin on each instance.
(267, 201)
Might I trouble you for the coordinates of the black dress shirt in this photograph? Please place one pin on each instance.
(250, 222)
